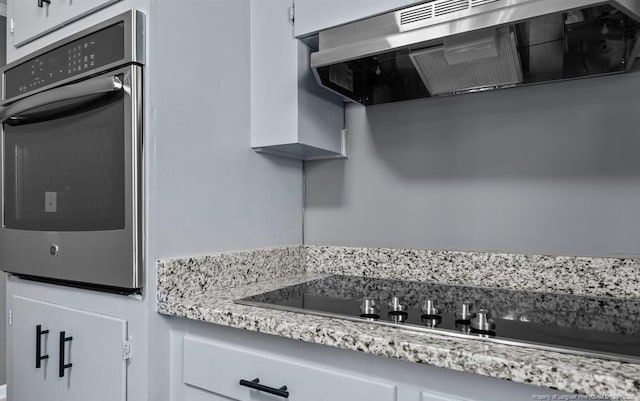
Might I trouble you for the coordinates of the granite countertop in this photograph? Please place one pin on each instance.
(202, 298)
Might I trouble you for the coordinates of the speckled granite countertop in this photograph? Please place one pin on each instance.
(204, 289)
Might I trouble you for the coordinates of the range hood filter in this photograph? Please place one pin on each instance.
(481, 60)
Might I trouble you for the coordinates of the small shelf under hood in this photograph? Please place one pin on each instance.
(447, 47)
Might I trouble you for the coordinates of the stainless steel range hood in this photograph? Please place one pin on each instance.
(446, 47)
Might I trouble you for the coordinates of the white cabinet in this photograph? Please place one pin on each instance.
(28, 20)
(215, 358)
(80, 353)
(431, 396)
(291, 115)
(99, 370)
(28, 381)
(31, 19)
(315, 15)
(219, 367)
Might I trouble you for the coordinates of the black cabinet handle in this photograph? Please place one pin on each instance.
(40, 2)
(62, 366)
(255, 384)
(40, 358)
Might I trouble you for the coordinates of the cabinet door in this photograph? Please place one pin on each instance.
(98, 370)
(316, 15)
(31, 21)
(70, 10)
(26, 381)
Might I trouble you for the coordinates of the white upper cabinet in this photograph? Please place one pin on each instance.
(291, 115)
(31, 19)
(315, 15)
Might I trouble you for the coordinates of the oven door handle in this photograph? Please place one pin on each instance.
(95, 86)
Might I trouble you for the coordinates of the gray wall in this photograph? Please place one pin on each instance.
(547, 169)
(3, 282)
(208, 191)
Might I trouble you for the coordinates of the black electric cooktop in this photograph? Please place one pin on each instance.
(594, 326)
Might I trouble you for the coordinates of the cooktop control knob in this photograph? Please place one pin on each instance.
(429, 309)
(369, 306)
(397, 305)
(464, 313)
(482, 321)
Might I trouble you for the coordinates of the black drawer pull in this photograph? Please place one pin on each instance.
(40, 358)
(255, 384)
(40, 2)
(62, 366)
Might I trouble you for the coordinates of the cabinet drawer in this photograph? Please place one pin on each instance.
(218, 367)
(431, 396)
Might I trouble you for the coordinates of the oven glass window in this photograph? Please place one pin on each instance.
(67, 171)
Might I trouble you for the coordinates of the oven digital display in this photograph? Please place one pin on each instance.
(85, 54)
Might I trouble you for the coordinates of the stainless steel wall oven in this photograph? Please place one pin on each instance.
(72, 159)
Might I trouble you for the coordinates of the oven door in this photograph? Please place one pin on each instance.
(71, 183)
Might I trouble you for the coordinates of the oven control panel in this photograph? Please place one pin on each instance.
(88, 53)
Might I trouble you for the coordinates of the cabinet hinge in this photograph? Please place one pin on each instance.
(127, 350)
(12, 25)
(10, 317)
(292, 14)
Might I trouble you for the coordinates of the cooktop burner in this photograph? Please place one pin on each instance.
(593, 326)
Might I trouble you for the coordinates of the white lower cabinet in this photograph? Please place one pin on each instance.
(28, 379)
(218, 368)
(59, 353)
(431, 396)
(196, 394)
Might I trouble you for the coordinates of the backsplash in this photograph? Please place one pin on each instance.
(182, 277)
(609, 277)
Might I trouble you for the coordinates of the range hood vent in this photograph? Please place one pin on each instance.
(447, 47)
(416, 14)
(438, 9)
